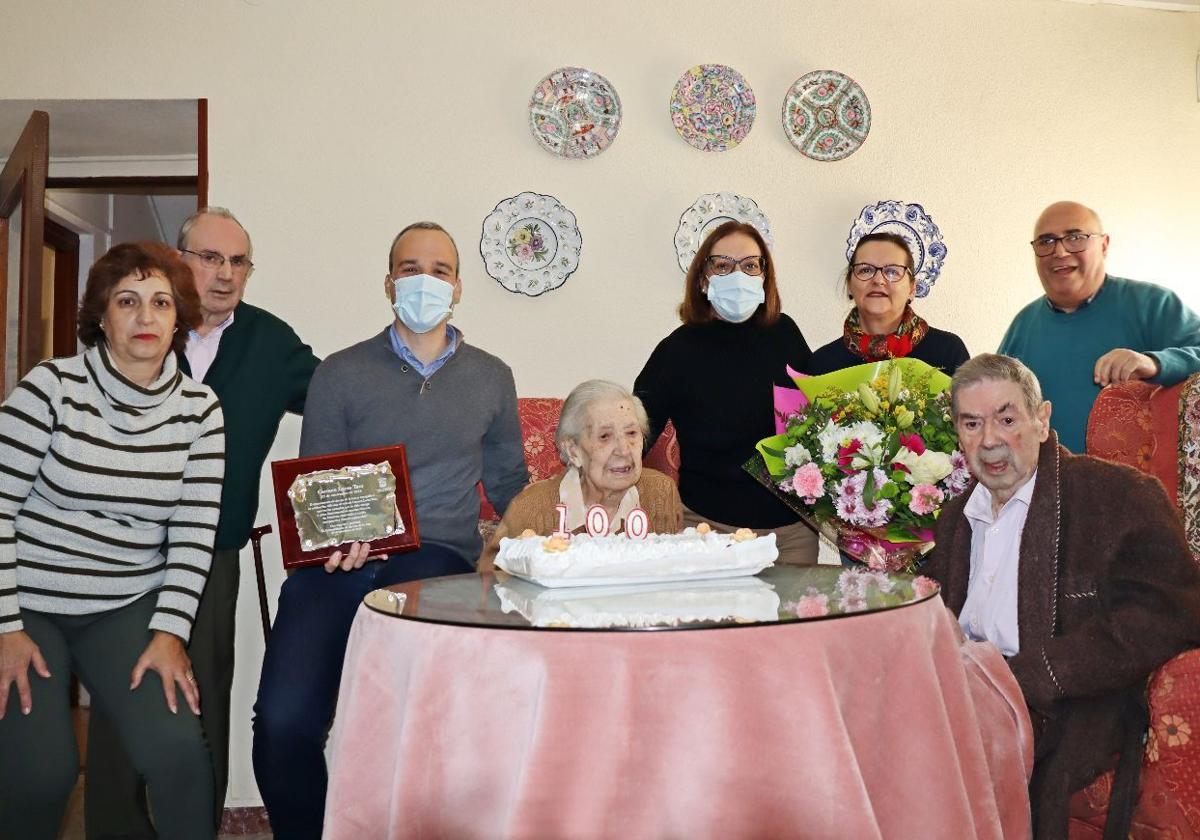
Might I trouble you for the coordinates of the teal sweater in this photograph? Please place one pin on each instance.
(261, 371)
(1061, 348)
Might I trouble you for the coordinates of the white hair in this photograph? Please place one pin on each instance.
(573, 420)
(221, 212)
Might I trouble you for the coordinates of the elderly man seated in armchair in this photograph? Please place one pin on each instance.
(1077, 569)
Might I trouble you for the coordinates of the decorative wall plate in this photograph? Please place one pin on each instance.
(826, 115)
(574, 113)
(530, 243)
(912, 223)
(709, 211)
(712, 107)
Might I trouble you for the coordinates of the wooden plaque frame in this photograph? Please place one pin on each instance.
(285, 472)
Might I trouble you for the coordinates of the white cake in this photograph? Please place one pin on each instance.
(617, 559)
(641, 605)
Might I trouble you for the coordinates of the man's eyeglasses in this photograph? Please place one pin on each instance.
(722, 265)
(239, 263)
(1073, 242)
(866, 272)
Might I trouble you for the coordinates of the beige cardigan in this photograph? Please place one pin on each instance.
(533, 508)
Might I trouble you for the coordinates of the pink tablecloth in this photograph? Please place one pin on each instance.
(879, 725)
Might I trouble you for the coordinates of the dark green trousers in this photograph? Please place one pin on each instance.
(115, 802)
(39, 761)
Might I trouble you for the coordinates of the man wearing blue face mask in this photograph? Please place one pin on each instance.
(454, 407)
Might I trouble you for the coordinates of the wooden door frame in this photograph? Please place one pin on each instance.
(65, 244)
(201, 153)
(23, 183)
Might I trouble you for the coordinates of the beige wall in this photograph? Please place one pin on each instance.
(331, 128)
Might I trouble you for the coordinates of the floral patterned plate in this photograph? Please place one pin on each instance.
(709, 211)
(574, 113)
(712, 107)
(530, 243)
(826, 115)
(910, 222)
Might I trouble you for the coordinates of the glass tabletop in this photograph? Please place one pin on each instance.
(776, 595)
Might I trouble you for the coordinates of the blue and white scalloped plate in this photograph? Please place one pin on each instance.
(913, 224)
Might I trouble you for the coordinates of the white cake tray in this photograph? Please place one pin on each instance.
(703, 574)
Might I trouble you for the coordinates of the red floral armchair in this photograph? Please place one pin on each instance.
(539, 419)
(1157, 430)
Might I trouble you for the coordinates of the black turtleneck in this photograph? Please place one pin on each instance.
(715, 382)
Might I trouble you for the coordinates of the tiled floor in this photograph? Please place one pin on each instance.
(72, 828)
(73, 823)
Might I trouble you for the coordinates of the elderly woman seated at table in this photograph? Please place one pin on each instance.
(600, 437)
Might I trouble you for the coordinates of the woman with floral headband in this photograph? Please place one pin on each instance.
(882, 325)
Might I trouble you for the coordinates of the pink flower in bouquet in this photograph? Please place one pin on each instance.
(925, 499)
(813, 605)
(912, 442)
(960, 476)
(808, 483)
(851, 506)
(923, 586)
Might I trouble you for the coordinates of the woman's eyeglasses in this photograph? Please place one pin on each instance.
(722, 265)
(866, 272)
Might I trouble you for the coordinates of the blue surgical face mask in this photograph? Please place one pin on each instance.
(735, 296)
(422, 301)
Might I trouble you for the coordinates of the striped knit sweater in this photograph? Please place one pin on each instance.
(107, 491)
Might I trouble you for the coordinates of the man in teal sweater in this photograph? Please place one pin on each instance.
(1092, 329)
(259, 369)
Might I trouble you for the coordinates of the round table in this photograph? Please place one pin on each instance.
(777, 595)
(849, 706)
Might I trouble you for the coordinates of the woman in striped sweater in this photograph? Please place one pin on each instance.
(110, 481)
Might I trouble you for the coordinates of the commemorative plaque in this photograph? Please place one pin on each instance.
(327, 502)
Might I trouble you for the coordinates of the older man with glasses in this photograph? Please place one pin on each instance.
(259, 369)
(1091, 329)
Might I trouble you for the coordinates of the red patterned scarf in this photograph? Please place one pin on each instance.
(893, 345)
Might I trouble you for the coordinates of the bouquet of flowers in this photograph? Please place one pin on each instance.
(869, 458)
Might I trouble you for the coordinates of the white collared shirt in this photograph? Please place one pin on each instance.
(990, 612)
(570, 493)
(201, 350)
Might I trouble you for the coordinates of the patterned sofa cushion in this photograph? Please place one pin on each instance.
(1156, 430)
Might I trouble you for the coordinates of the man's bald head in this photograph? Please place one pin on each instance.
(1070, 278)
(1069, 208)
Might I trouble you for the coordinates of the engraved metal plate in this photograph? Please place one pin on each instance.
(348, 504)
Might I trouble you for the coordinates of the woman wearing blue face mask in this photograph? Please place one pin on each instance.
(713, 378)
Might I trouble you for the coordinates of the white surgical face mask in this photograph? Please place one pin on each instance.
(422, 301)
(736, 295)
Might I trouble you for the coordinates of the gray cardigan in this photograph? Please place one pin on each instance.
(458, 427)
